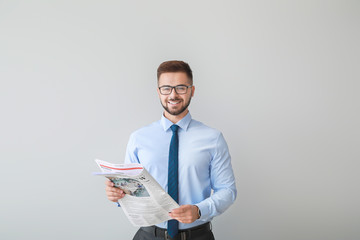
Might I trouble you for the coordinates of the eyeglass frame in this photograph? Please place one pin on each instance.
(174, 87)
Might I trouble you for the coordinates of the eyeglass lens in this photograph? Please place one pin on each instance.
(178, 89)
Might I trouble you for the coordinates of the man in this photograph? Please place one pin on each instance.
(198, 153)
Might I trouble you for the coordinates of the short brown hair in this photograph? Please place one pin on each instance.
(175, 66)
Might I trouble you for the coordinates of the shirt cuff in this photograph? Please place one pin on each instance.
(204, 209)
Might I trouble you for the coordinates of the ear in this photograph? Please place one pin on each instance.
(192, 91)
(158, 91)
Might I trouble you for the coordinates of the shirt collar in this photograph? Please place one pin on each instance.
(183, 123)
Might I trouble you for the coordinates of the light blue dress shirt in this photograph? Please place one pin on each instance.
(204, 164)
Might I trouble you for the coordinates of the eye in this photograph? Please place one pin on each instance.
(166, 89)
(181, 88)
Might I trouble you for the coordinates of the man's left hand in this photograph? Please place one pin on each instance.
(185, 213)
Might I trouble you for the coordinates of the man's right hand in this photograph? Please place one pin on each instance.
(113, 193)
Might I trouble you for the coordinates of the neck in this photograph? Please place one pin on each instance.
(175, 118)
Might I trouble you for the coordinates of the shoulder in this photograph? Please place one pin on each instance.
(203, 129)
(147, 130)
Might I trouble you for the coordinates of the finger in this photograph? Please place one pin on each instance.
(113, 189)
(117, 192)
(184, 214)
(179, 214)
(109, 183)
(109, 190)
(179, 210)
(175, 214)
(115, 196)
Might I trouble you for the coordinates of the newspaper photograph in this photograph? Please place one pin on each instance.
(145, 202)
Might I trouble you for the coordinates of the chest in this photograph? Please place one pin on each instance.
(195, 154)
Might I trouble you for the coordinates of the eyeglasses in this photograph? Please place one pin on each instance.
(179, 89)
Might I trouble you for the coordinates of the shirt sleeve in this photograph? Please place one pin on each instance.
(131, 155)
(222, 182)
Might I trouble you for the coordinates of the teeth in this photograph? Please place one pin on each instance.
(173, 102)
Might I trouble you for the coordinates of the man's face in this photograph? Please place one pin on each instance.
(175, 104)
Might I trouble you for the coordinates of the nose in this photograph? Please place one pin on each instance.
(173, 94)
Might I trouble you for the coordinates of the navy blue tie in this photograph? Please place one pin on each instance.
(173, 225)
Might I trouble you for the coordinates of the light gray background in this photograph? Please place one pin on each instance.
(280, 79)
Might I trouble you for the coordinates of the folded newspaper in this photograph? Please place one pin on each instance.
(145, 202)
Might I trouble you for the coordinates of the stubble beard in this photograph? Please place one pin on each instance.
(176, 112)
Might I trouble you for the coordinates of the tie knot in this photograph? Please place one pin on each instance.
(174, 128)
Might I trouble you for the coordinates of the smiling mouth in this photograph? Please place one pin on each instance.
(173, 102)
